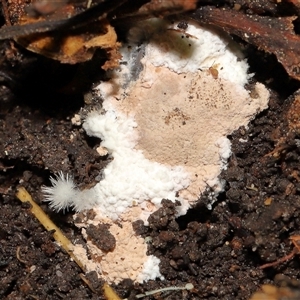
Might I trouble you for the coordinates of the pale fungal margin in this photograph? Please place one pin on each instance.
(164, 121)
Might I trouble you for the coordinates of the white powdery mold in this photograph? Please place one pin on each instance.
(115, 131)
(130, 177)
(182, 51)
(150, 270)
(197, 48)
(224, 146)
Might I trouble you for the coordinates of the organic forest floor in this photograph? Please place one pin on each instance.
(220, 250)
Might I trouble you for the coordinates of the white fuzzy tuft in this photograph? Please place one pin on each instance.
(62, 193)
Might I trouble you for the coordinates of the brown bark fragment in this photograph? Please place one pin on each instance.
(273, 35)
(167, 6)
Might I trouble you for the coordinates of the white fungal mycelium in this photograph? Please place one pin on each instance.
(165, 122)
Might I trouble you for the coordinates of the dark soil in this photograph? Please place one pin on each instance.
(219, 251)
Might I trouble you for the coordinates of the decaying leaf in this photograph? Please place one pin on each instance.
(73, 43)
(273, 35)
(74, 47)
(70, 34)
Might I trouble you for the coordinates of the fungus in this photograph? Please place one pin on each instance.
(164, 120)
(129, 257)
(63, 188)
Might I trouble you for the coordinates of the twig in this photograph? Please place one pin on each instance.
(65, 243)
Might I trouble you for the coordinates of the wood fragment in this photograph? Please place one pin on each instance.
(109, 293)
(87, 282)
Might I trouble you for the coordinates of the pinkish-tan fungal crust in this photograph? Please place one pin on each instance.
(183, 119)
(129, 257)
